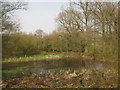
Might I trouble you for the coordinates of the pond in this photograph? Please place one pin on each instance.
(19, 69)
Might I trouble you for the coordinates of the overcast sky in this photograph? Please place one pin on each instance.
(40, 15)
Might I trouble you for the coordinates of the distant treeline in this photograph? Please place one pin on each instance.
(87, 28)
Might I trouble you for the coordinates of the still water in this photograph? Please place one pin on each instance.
(11, 70)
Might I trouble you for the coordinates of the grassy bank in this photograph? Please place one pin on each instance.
(46, 56)
(54, 55)
(40, 56)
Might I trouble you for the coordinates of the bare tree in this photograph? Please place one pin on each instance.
(8, 9)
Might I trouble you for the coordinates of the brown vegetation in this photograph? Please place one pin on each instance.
(83, 79)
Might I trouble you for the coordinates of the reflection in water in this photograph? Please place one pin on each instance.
(58, 66)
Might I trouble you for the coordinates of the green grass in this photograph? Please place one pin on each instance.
(17, 70)
(40, 56)
(43, 53)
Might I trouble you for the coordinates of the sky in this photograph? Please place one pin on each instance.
(40, 15)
